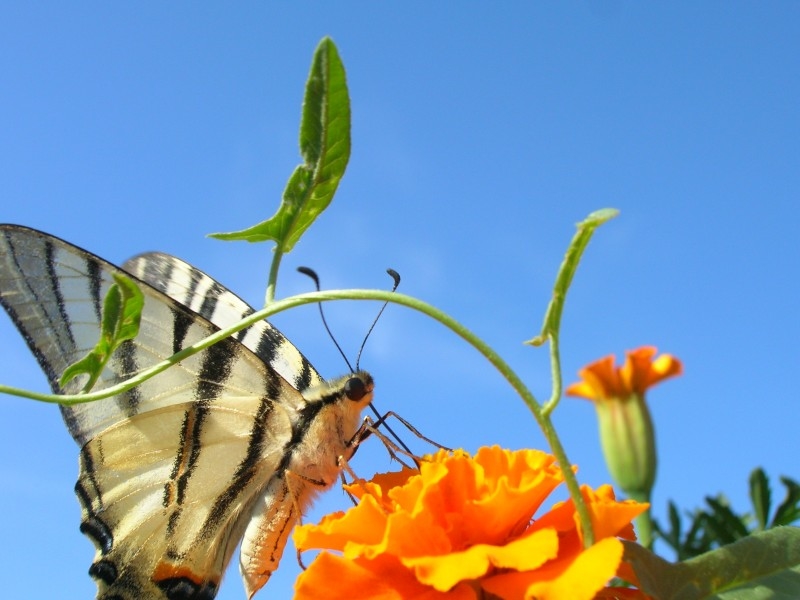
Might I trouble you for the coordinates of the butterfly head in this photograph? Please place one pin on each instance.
(357, 387)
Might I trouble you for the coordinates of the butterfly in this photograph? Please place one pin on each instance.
(231, 444)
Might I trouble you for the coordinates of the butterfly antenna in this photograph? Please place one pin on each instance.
(396, 277)
(313, 275)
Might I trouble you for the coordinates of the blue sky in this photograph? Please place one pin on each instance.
(480, 137)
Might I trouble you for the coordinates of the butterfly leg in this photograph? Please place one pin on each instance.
(369, 427)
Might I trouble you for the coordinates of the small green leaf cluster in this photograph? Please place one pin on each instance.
(718, 524)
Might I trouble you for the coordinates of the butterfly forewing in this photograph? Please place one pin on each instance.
(174, 472)
(208, 298)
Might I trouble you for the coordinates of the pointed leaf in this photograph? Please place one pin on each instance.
(760, 497)
(698, 540)
(325, 148)
(126, 327)
(725, 525)
(675, 521)
(672, 536)
(789, 511)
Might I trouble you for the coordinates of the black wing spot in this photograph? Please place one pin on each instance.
(96, 529)
(183, 588)
(104, 570)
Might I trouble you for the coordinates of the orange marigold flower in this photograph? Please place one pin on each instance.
(603, 381)
(463, 528)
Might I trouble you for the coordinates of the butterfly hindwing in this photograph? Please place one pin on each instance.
(174, 472)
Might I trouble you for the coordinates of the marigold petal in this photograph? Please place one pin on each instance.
(584, 576)
(332, 577)
(364, 524)
(578, 579)
(411, 497)
(445, 571)
(582, 389)
(641, 372)
(405, 535)
(381, 483)
(488, 499)
(600, 381)
(560, 517)
(609, 516)
(516, 488)
(665, 366)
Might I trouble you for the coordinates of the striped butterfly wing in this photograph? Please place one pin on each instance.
(174, 472)
(214, 302)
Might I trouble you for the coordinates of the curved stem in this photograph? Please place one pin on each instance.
(277, 306)
(300, 300)
(551, 329)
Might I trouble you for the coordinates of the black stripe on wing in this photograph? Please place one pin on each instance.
(13, 286)
(216, 303)
(248, 468)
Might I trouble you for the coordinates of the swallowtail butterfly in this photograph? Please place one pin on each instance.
(231, 444)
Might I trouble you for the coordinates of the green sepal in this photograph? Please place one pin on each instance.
(325, 148)
(122, 313)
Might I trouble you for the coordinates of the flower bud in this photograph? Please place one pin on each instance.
(626, 428)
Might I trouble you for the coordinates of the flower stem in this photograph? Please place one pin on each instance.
(644, 529)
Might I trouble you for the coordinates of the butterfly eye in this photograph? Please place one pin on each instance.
(355, 389)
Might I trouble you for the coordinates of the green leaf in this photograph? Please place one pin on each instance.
(696, 540)
(763, 565)
(760, 496)
(325, 148)
(675, 525)
(122, 312)
(788, 512)
(725, 526)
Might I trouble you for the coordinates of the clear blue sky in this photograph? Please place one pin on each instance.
(480, 136)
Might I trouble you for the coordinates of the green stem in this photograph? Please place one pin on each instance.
(644, 528)
(555, 374)
(551, 329)
(300, 300)
(552, 318)
(272, 281)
